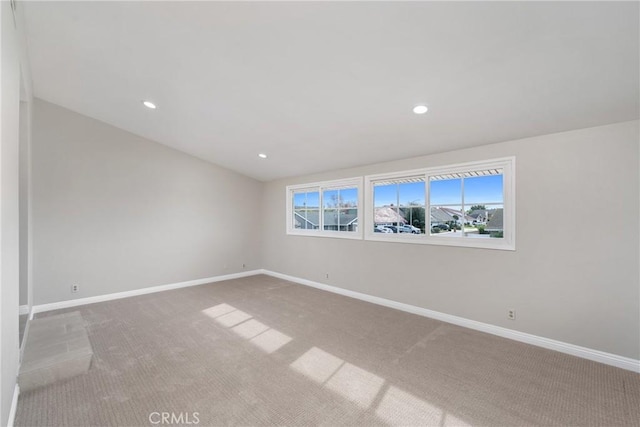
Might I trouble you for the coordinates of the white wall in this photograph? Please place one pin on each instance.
(13, 65)
(114, 212)
(23, 195)
(573, 278)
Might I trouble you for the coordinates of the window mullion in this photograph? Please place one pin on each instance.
(321, 211)
(427, 206)
(462, 207)
(398, 207)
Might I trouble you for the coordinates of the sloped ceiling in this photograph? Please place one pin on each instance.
(323, 85)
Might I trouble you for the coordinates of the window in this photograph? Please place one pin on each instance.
(340, 209)
(471, 204)
(306, 209)
(399, 206)
(327, 209)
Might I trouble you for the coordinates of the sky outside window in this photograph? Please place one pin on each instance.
(313, 200)
(477, 190)
(340, 198)
(483, 189)
(385, 195)
(412, 193)
(445, 191)
(309, 200)
(349, 196)
(299, 200)
(408, 192)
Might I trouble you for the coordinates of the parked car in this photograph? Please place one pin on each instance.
(410, 229)
(443, 227)
(381, 229)
(393, 228)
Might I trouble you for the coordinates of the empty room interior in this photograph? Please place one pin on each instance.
(320, 213)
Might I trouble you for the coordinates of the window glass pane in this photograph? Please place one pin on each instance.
(312, 219)
(412, 194)
(445, 192)
(313, 200)
(495, 224)
(493, 227)
(330, 199)
(305, 210)
(299, 200)
(348, 219)
(483, 189)
(399, 206)
(299, 218)
(385, 195)
(349, 197)
(447, 220)
(414, 215)
(331, 220)
(385, 201)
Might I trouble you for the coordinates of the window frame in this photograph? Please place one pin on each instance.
(507, 164)
(321, 187)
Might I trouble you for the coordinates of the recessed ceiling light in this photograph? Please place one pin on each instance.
(420, 109)
(149, 104)
(262, 156)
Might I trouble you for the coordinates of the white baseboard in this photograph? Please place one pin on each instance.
(574, 350)
(108, 297)
(23, 309)
(14, 406)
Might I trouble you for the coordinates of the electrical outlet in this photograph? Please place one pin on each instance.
(75, 288)
(511, 314)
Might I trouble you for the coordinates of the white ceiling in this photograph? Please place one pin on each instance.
(322, 86)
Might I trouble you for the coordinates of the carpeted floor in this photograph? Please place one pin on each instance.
(263, 351)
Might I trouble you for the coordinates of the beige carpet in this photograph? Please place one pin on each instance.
(262, 351)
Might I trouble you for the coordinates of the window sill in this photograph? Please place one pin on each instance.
(334, 235)
(422, 239)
